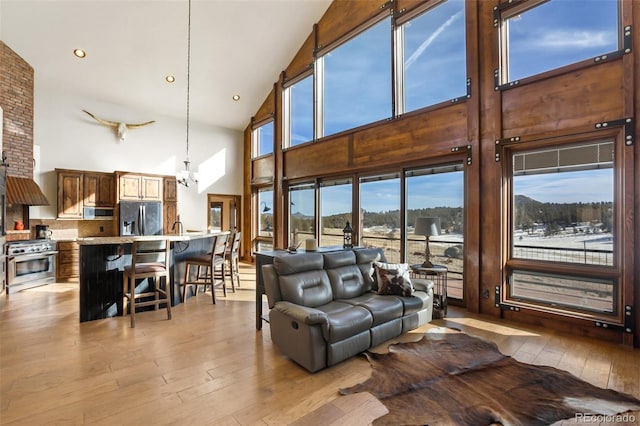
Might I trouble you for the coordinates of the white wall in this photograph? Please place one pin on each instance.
(68, 138)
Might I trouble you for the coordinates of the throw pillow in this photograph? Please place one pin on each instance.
(393, 279)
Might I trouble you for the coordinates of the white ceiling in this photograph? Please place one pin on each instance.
(237, 47)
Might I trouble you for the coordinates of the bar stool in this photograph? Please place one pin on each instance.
(210, 269)
(149, 259)
(232, 258)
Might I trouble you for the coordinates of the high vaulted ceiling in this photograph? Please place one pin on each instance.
(237, 47)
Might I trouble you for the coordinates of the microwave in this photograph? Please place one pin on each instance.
(97, 213)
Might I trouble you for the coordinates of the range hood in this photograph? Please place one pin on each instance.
(24, 191)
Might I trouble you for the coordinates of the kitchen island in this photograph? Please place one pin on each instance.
(102, 260)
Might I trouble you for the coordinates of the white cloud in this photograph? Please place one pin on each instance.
(563, 39)
(420, 50)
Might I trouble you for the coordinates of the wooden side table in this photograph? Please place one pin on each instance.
(438, 274)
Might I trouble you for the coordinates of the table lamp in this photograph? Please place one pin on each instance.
(429, 227)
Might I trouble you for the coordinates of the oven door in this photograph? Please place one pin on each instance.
(30, 270)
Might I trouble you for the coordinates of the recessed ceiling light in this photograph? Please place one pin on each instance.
(170, 79)
(236, 97)
(79, 53)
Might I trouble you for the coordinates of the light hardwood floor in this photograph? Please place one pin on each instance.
(209, 365)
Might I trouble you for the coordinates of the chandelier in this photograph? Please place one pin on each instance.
(186, 177)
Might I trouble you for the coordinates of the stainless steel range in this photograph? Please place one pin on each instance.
(30, 263)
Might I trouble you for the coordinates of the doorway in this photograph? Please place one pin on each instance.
(223, 212)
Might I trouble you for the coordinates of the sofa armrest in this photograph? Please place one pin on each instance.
(303, 314)
(422, 284)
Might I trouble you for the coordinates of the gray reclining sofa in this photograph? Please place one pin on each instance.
(324, 307)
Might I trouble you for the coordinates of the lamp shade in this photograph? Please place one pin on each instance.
(427, 226)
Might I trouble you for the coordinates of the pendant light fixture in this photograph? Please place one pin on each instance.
(185, 177)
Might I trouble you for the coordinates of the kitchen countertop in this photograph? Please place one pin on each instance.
(131, 238)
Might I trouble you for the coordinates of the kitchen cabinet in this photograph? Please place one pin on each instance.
(70, 194)
(99, 189)
(170, 205)
(170, 190)
(170, 216)
(68, 261)
(140, 187)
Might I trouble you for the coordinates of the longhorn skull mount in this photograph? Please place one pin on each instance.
(121, 127)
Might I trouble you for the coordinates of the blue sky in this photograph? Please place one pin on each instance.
(570, 187)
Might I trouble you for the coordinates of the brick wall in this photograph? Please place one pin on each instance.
(16, 98)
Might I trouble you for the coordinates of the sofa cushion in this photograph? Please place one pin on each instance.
(393, 279)
(344, 320)
(302, 279)
(344, 275)
(337, 259)
(383, 308)
(415, 302)
(346, 282)
(288, 264)
(310, 288)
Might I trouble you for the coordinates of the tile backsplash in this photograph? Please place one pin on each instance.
(72, 229)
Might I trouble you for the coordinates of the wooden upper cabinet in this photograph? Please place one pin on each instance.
(170, 189)
(70, 194)
(99, 189)
(152, 188)
(140, 187)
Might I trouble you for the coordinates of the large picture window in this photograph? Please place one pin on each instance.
(356, 80)
(336, 201)
(380, 214)
(438, 192)
(265, 219)
(539, 36)
(432, 57)
(562, 211)
(302, 208)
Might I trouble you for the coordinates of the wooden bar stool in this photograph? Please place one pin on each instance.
(149, 259)
(210, 269)
(233, 261)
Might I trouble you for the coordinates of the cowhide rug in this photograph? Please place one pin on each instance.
(456, 379)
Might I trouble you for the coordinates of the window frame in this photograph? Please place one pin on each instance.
(292, 186)
(287, 107)
(506, 10)
(319, 72)
(327, 182)
(262, 238)
(615, 272)
(255, 138)
(398, 58)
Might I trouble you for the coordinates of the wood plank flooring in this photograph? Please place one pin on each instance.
(209, 365)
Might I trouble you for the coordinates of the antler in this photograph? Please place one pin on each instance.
(135, 126)
(101, 121)
(116, 124)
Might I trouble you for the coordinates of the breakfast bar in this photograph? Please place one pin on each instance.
(102, 260)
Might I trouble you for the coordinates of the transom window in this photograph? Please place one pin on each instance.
(539, 36)
(263, 138)
(356, 80)
(432, 56)
(298, 112)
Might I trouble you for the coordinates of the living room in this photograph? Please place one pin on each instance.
(491, 136)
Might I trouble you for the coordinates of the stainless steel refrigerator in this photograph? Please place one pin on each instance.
(140, 218)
